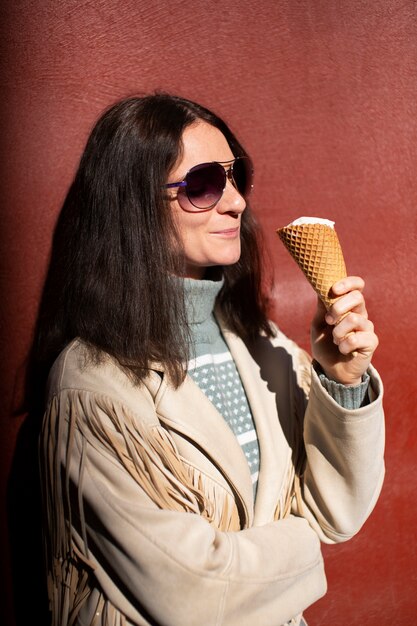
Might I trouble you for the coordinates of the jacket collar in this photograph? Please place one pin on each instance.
(208, 429)
(193, 415)
(262, 396)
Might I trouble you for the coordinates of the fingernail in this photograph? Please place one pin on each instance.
(329, 319)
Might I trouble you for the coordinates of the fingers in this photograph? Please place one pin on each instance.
(353, 301)
(350, 298)
(355, 334)
(349, 283)
(352, 332)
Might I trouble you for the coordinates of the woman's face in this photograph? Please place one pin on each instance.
(211, 237)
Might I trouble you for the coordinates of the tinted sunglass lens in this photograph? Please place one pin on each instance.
(243, 175)
(205, 185)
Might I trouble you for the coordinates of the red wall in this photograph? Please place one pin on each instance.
(324, 95)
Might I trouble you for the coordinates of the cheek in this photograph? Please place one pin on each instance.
(190, 226)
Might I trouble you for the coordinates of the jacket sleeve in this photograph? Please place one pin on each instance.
(168, 564)
(344, 468)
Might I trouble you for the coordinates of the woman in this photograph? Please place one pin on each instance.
(193, 457)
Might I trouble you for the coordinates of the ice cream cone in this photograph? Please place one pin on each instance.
(314, 245)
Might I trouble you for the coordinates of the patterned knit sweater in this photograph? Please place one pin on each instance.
(213, 369)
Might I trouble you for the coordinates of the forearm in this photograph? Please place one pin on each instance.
(345, 463)
(267, 574)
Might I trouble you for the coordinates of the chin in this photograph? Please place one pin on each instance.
(230, 259)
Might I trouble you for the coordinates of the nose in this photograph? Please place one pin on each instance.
(231, 200)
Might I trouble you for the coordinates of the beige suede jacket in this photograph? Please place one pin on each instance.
(149, 503)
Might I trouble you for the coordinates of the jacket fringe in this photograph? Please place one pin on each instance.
(152, 460)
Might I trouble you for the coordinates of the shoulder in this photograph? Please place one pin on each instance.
(278, 357)
(291, 357)
(79, 369)
(300, 357)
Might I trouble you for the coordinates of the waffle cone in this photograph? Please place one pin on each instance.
(317, 251)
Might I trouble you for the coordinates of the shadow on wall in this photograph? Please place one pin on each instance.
(25, 528)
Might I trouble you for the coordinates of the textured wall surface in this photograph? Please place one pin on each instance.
(324, 96)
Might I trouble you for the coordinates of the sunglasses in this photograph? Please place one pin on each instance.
(204, 184)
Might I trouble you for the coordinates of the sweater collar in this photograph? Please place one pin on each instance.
(200, 298)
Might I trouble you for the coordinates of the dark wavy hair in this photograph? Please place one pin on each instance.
(110, 279)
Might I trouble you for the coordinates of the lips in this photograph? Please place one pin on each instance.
(230, 232)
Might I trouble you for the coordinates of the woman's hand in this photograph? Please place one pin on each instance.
(343, 339)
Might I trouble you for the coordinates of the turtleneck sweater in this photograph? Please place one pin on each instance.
(212, 367)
